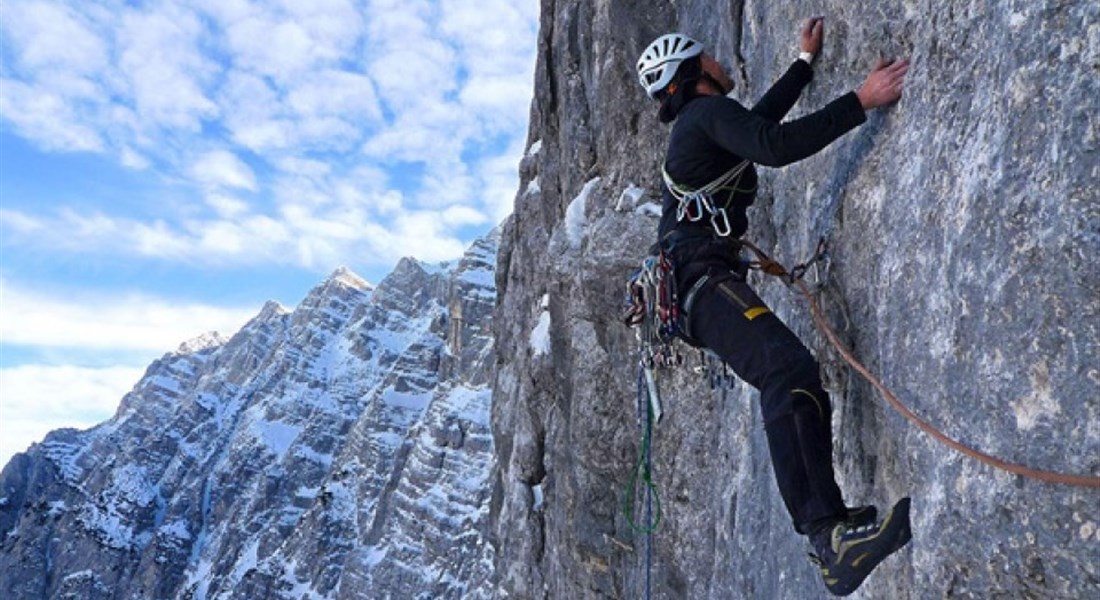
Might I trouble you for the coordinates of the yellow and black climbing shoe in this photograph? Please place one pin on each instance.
(847, 553)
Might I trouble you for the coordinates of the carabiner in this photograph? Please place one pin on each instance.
(722, 227)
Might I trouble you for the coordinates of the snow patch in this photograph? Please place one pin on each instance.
(206, 341)
(277, 436)
(539, 498)
(57, 507)
(574, 214)
(629, 198)
(176, 530)
(535, 147)
(130, 484)
(479, 277)
(540, 335)
(404, 400)
(471, 404)
(533, 187)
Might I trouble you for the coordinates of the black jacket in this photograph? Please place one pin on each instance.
(711, 134)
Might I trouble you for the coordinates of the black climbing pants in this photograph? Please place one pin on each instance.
(729, 318)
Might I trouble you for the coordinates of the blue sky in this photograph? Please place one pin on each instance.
(167, 167)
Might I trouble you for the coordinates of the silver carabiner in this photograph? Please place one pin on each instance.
(721, 228)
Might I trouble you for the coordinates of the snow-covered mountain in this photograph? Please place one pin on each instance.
(341, 449)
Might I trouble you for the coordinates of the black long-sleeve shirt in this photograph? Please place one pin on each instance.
(711, 134)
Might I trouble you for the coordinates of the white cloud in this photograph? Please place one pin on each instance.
(133, 159)
(114, 323)
(298, 86)
(37, 399)
(164, 69)
(49, 36)
(226, 207)
(46, 117)
(220, 168)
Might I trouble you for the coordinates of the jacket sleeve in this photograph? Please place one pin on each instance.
(781, 96)
(763, 141)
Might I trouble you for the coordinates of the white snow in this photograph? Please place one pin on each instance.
(471, 404)
(168, 384)
(574, 214)
(176, 530)
(536, 490)
(308, 453)
(130, 483)
(479, 277)
(540, 335)
(65, 456)
(533, 187)
(387, 439)
(535, 147)
(277, 436)
(629, 198)
(56, 507)
(109, 525)
(406, 400)
(372, 555)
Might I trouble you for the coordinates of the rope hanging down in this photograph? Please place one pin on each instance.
(793, 279)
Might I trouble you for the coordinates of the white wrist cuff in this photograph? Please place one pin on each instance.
(808, 57)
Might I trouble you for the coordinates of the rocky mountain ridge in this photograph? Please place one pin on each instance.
(340, 449)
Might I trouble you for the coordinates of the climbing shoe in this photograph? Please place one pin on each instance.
(847, 552)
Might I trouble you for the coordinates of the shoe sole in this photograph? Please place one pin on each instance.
(858, 560)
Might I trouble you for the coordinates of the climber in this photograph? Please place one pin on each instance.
(710, 182)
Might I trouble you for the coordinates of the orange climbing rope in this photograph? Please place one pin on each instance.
(794, 279)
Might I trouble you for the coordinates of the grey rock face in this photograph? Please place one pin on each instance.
(341, 449)
(963, 224)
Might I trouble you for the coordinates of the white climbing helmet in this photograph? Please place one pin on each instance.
(659, 62)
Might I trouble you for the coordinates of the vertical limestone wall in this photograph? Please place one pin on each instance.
(964, 228)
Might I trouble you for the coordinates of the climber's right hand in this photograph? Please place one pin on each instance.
(883, 84)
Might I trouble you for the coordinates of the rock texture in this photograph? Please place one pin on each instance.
(341, 449)
(964, 225)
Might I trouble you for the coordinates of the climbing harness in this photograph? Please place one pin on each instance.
(694, 204)
(793, 279)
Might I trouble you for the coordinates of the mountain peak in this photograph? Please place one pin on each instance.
(206, 341)
(344, 276)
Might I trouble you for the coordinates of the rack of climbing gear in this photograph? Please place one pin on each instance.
(653, 310)
(715, 371)
(794, 279)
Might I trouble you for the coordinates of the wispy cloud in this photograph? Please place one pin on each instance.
(220, 168)
(232, 97)
(37, 399)
(117, 323)
(123, 332)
